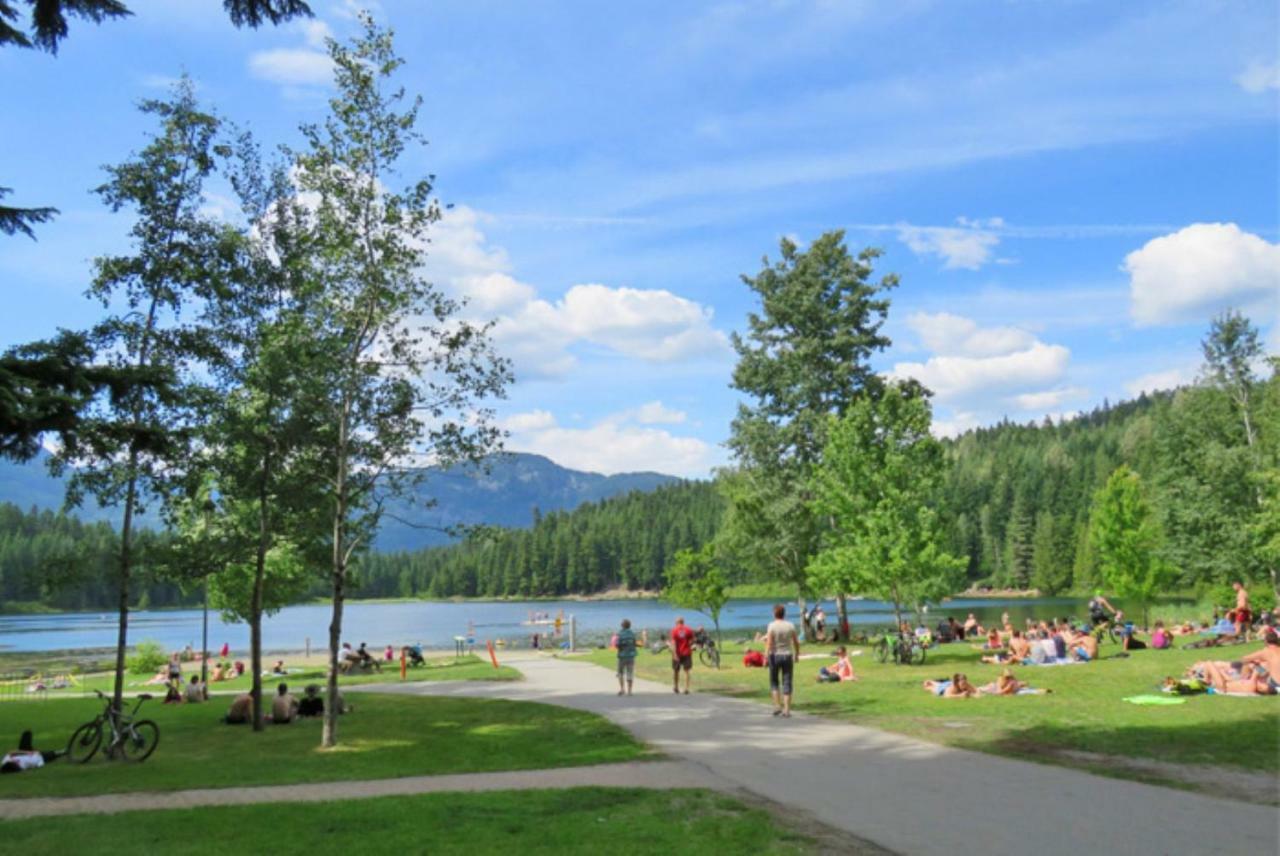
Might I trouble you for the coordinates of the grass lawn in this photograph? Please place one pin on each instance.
(1084, 712)
(313, 671)
(578, 820)
(385, 736)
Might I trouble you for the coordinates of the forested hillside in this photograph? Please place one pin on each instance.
(621, 542)
(1016, 502)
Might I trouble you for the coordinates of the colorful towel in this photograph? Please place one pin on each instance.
(1155, 699)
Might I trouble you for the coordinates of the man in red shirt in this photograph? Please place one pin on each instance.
(681, 655)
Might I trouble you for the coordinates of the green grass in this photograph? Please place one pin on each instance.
(468, 668)
(578, 820)
(385, 736)
(1084, 712)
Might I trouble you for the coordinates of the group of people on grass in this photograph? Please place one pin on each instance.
(285, 707)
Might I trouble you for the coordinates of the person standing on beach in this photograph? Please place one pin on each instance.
(626, 657)
(681, 655)
(782, 646)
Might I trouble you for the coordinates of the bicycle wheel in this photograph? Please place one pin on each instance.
(882, 651)
(84, 743)
(1114, 634)
(140, 740)
(704, 656)
(715, 657)
(917, 655)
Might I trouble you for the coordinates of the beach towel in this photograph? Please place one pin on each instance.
(1155, 699)
(1056, 661)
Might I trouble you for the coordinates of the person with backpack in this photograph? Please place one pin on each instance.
(626, 645)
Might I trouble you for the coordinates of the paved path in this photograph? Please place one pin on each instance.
(638, 774)
(903, 794)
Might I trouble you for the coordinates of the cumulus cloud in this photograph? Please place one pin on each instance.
(1201, 269)
(1156, 381)
(305, 66)
(618, 443)
(1047, 400)
(653, 325)
(657, 413)
(945, 333)
(1259, 77)
(982, 367)
(968, 246)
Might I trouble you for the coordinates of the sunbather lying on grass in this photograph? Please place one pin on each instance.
(957, 686)
(1238, 677)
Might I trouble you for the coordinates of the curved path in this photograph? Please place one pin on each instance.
(903, 794)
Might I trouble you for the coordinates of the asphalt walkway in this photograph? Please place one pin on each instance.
(903, 794)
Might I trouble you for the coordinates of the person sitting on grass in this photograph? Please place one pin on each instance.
(1083, 646)
(972, 627)
(279, 669)
(241, 710)
(993, 642)
(311, 703)
(1267, 658)
(284, 707)
(841, 671)
(219, 673)
(173, 693)
(1129, 639)
(195, 691)
(1160, 639)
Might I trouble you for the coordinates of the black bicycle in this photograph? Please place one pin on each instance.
(1110, 628)
(708, 653)
(904, 649)
(131, 738)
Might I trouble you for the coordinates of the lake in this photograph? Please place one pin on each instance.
(434, 624)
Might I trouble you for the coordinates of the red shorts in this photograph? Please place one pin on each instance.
(1243, 616)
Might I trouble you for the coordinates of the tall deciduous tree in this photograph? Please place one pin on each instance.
(805, 357)
(696, 581)
(129, 449)
(878, 482)
(402, 374)
(1128, 539)
(264, 441)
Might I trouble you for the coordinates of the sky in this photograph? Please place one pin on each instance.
(1069, 191)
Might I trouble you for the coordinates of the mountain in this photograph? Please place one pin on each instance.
(515, 485)
(507, 495)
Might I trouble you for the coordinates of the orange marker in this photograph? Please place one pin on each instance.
(492, 656)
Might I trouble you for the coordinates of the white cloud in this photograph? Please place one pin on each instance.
(1259, 77)
(1155, 381)
(657, 413)
(953, 378)
(534, 420)
(944, 333)
(968, 246)
(981, 366)
(956, 425)
(1201, 269)
(615, 444)
(653, 325)
(292, 66)
(1045, 401)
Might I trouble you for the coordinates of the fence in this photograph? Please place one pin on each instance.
(32, 685)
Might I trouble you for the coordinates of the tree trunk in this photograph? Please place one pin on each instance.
(329, 734)
(126, 562)
(255, 637)
(842, 618)
(804, 616)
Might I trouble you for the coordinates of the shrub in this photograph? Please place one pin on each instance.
(148, 657)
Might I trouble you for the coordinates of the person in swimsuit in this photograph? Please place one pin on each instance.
(681, 655)
(1243, 615)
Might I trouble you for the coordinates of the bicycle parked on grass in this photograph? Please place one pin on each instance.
(903, 648)
(708, 653)
(131, 738)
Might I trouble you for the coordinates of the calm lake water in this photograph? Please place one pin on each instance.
(434, 625)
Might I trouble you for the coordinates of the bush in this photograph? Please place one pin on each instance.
(148, 657)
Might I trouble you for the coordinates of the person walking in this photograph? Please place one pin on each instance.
(681, 655)
(626, 645)
(782, 646)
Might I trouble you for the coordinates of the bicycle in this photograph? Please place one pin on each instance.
(708, 653)
(1110, 628)
(131, 738)
(903, 649)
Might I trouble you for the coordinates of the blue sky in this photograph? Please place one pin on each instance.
(1068, 190)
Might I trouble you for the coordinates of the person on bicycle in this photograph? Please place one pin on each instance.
(1098, 608)
(782, 646)
(681, 654)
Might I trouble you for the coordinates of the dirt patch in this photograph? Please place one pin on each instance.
(1229, 782)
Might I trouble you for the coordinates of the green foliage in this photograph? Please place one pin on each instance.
(805, 356)
(696, 581)
(148, 658)
(876, 484)
(1128, 539)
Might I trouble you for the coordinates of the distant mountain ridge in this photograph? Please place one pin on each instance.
(515, 485)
